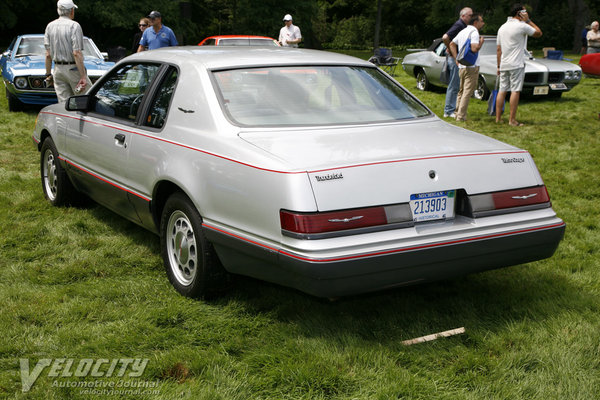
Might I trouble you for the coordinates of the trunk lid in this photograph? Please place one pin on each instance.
(384, 164)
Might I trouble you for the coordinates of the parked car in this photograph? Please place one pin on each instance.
(590, 64)
(238, 40)
(543, 77)
(24, 71)
(309, 169)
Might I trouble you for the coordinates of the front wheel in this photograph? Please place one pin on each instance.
(422, 81)
(481, 92)
(190, 260)
(56, 184)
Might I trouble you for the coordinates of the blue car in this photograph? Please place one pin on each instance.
(24, 72)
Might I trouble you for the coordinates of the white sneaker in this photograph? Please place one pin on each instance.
(453, 115)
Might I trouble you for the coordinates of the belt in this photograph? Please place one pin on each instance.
(64, 62)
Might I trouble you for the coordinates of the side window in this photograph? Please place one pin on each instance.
(122, 93)
(160, 105)
(441, 50)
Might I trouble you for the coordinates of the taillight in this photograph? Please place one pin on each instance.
(306, 224)
(501, 202)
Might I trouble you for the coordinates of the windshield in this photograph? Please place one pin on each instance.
(488, 48)
(35, 47)
(314, 95)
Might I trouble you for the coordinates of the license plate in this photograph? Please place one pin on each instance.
(432, 206)
(540, 90)
(558, 86)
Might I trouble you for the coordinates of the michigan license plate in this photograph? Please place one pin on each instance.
(540, 90)
(432, 206)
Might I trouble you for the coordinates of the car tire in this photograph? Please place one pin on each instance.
(481, 91)
(422, 80)
(56, 185)
(14, 104)
(191, 263)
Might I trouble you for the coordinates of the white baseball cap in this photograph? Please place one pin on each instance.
(66, 4)
(287, 17)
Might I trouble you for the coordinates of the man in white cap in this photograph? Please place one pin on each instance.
(289, 35)
(63, 40)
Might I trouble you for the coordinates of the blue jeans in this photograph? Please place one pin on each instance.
(453, 86)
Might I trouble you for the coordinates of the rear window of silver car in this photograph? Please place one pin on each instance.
(313, 95)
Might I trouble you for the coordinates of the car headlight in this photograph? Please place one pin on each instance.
(577, 74)
(21, 82)
(569, 75)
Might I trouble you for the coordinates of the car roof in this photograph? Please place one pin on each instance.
(36, 35)
(238, 37)
(224, 57)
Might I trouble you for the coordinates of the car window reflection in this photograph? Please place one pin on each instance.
(312, 96)
(122, 93)
(160, 105)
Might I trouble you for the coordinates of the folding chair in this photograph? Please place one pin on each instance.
(383, 59)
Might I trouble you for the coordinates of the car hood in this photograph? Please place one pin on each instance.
(36, 65)
(535, 64)
(384, 164)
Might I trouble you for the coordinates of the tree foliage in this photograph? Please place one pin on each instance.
(327, 23)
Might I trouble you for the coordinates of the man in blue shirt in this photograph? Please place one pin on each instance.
(453, 78)
(158, 36)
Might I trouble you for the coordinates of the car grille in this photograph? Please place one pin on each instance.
(534, 78)
(38, 83)
(556, 77)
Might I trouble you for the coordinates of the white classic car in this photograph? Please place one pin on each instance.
(310, 169)
(543, 77)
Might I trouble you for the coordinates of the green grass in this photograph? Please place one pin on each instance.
(84, 283)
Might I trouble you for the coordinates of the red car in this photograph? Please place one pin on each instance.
(238, 40)
(590, 64)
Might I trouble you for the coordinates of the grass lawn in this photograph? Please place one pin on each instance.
(83, 283)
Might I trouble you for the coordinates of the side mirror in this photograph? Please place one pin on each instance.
(104, 55)
(78, 103)
(6, 53)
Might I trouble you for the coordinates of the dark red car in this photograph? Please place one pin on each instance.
(238, 40)
(590, 64)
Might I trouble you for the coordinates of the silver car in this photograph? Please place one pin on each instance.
(310, 169)
(543, 77)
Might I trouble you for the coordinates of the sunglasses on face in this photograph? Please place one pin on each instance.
(142, 24)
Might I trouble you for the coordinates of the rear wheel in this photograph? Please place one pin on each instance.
(422, 81)
(14, 104)
(56, 184)
(190, 260)
(481, 92)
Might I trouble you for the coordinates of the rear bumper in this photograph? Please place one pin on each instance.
(360, 273)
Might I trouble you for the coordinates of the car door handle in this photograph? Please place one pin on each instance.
(120, 138)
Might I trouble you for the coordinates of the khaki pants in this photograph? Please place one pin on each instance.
(65, 81)
(468, 83)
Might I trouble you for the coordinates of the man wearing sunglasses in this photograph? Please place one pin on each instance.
(157, 37)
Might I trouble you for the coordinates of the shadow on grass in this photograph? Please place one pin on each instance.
(488, 301)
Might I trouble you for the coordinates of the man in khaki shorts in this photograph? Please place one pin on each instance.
(64, 46)
(511, 44)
